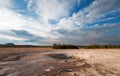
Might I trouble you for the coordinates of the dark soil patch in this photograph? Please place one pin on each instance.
(60, 56)
(16, 56)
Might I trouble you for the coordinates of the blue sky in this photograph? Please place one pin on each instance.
(45, 22)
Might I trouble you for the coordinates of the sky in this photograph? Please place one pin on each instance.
(45, 22)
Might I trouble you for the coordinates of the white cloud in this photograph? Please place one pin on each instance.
(10, 19)
(11, 37)
(54, 9)
(100, 8)
(5, 3)
(30, 4)
(91, 14)
(73, 28)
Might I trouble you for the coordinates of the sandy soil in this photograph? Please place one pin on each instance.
(50, 62)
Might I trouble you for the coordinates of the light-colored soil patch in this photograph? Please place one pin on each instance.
(80, 62)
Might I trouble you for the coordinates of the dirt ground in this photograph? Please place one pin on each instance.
(51, 62)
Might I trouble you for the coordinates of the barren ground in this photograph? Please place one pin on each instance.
(51, 62)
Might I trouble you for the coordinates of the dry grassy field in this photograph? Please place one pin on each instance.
(52, 62)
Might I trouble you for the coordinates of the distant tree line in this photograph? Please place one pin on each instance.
(65, 46)
(70, 46)
(100, 46)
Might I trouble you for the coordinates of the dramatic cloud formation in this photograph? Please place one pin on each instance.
(45, 22)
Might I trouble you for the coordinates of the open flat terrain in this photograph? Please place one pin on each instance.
(52, 62)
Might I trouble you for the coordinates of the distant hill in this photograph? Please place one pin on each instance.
(17, 46)
(9, 44)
